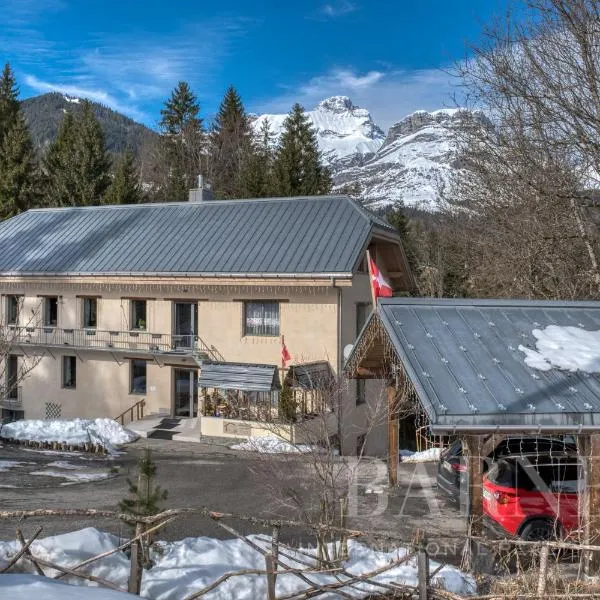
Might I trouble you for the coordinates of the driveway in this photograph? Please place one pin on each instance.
(212, 475)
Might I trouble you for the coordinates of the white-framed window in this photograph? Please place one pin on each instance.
(138, 314)
(261, 318)
(69, 372)
(13, 308)
(50, 311)
(90, 312)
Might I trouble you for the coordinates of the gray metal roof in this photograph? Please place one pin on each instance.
(462, 357)
(311, 376)
(239, 376)
(272, 237)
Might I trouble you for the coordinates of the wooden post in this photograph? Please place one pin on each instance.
(541, 586)
(472, 447)
(135, 568)
(270, 567)
(423, 571)
(393, 435)
(591, 503)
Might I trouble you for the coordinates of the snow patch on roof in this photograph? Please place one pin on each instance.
(564, 347)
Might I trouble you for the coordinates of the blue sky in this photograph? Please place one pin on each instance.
(388, 56)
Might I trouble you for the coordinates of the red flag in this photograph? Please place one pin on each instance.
(381, 288)
(285, 355)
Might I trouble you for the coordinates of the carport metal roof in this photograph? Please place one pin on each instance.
(463, 359)
(239, 376)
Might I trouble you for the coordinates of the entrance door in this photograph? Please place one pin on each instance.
(185, 393)
(186, 324)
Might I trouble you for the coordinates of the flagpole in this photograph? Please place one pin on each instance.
(373, 298)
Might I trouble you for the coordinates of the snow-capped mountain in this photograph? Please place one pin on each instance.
(344, 131)
(416, 157)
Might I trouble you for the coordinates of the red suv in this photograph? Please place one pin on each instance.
(533, 496)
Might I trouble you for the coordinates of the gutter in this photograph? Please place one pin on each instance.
(175, 274)
(456, 429)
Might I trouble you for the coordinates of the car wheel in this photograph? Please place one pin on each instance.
(539, 529)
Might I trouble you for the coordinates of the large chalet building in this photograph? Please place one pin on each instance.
(108, 305)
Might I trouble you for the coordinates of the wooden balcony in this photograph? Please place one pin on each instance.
(137, 341)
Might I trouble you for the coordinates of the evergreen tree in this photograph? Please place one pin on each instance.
(9, 101)
(256, 176)
(77, 165)
(182, 144)
(19, 180)
(125, 186)
(144, 496)
(92, 160)
(397, 218)
(58, 165)
(230, 145)
(298, 169)
(18, 169)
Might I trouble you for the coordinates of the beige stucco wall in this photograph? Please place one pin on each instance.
(318, 319)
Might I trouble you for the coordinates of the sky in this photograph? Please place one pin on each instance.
(389, 56)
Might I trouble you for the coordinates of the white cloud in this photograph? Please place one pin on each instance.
(389, 95)
(337, 9)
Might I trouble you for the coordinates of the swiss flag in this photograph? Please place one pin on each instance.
(381, 288)
(285, 355)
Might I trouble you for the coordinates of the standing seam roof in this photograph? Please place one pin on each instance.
(277, 236)
(463, 358)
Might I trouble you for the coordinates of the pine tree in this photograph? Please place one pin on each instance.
(182, 144)
(19, 180)
(397, 218)
(58, 165)
(298, 169)
(125, 186)
(9, 101)
(92, 160)
(230, 145)
(77, 165)
(256, 176)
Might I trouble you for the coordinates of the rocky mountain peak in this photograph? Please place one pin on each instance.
(336, 104)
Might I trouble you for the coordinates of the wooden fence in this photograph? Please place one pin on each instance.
(279, 557)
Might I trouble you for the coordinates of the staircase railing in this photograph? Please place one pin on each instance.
(136, 409)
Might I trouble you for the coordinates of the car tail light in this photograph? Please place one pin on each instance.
(502, 498)
(459, 467)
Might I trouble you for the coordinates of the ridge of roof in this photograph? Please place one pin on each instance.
(488, 302)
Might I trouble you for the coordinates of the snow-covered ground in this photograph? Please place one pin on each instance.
(183, 567)
(26, 587)
(74, 476)
(105, 432)
(430, 455)
(5, 465)
(564, 347)
(270, 445)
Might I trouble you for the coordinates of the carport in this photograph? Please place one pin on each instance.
(483, 369)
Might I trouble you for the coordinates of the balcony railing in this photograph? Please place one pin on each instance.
(113, 340)
(11, 398)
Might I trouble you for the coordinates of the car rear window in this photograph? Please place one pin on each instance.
(503, 473)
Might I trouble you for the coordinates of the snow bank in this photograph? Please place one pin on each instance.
(430, 455)
(183, 567)
(564, 347)
(105, 432)
(25, 587)
(75, 476)
(270, 445)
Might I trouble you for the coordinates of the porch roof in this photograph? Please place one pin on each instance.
(466, 361)
(310, 376)
(239, 376)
